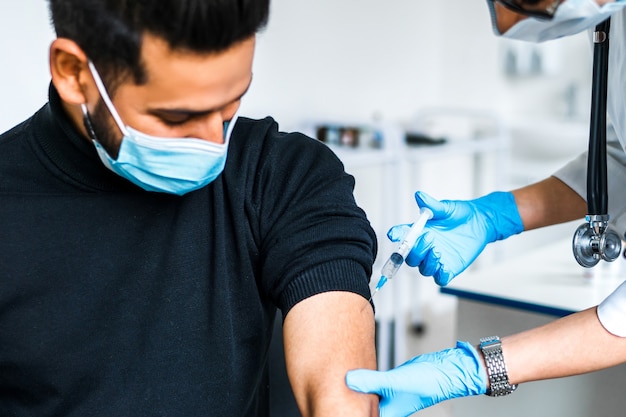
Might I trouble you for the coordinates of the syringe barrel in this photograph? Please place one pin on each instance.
(414, 232)
(397, 258)
(392, 265)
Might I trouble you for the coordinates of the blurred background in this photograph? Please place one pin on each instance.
(357, 61)
(411, 95)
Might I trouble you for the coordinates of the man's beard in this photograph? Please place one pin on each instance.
(105, 129)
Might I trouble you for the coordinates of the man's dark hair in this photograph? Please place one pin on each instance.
(110, 31)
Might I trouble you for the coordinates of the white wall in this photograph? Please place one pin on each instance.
(24, 76)
(340, 60)
(349, 59)
(359, 59)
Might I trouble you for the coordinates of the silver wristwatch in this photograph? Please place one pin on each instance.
(491, 348)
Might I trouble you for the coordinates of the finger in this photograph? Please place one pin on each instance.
(443, 277)
(439, 208)
(420, 251)
(430, 265)
(397, 233)
(365, 381)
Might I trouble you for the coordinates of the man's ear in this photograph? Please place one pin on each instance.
(70, 71)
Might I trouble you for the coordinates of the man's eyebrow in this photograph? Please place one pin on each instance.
(195, 113)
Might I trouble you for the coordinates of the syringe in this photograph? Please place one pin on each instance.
(398, 256)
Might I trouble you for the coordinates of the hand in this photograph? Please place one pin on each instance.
(458, 232)
(424, 380)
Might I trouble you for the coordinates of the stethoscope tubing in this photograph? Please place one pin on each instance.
(597, 189)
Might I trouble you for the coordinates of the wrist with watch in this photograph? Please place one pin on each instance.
(491, 348)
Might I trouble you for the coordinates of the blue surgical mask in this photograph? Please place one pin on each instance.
(168, 165)
(571, 17)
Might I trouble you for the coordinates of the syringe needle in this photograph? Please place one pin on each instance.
(382, 281)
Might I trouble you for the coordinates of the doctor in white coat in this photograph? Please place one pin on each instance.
(460, 230)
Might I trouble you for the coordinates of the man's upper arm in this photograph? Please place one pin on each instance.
(325, 336)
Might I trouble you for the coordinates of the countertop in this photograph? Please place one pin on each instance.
(546, 280)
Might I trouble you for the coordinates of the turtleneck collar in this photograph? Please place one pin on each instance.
(72, 153)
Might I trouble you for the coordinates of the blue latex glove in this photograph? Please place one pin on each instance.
(458, 232)
(423, 381)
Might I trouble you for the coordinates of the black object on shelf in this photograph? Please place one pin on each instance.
(412, 138)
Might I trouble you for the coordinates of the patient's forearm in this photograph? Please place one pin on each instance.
(326, 336)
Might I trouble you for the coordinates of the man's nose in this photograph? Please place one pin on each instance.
(209, 128)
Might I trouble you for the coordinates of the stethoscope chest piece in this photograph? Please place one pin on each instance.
(590, 245)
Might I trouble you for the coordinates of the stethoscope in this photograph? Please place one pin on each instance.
(594, 240)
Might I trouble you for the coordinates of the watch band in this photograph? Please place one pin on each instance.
(491, 347)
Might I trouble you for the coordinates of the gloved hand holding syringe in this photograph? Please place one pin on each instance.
(399, 255)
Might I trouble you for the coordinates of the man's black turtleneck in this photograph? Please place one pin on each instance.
(115, 301)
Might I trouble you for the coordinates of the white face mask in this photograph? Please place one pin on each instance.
(169, 165)
(571, 17)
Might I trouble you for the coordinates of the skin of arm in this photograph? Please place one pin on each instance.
(548, 202)
(325, 336)
(572, 345)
